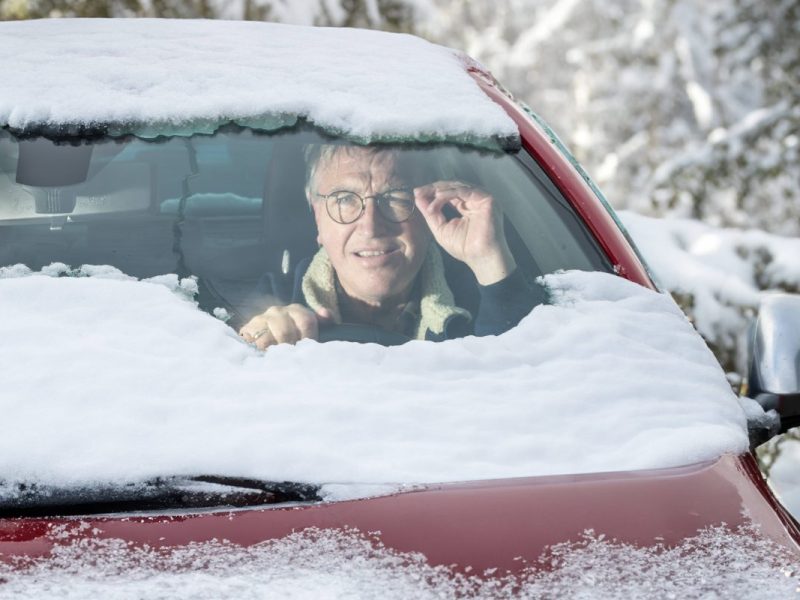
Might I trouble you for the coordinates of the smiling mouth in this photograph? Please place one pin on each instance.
(373, 253)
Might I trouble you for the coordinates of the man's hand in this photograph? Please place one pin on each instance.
(475, 236)
(283, 325)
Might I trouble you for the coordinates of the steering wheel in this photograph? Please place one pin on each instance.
(362, 334)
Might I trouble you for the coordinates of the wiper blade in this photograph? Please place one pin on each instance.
(170, 493)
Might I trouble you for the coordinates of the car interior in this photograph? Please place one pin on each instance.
(230, 209)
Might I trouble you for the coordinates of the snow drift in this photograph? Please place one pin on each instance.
(106, 378)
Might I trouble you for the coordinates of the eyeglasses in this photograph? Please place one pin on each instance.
(345, 207)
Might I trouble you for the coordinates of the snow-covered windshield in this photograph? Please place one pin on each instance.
(548, 363)
(430, 242)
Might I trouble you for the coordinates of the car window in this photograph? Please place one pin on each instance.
(299, 218)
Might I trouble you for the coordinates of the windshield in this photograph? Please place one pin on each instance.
(296, 218)
(282, 236)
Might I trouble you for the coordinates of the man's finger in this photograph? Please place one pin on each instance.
(324, 315)
(444, 198)
(283, 328)
(250, 330)
(305, 322)
(423, 196)
(265, 339)
(434, 218)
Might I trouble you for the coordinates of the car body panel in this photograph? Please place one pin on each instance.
(487, 524)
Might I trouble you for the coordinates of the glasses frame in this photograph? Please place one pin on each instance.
(379, 202)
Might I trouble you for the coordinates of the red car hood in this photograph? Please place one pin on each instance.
(480, 524)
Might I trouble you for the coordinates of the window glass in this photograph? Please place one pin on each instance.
(428, 242)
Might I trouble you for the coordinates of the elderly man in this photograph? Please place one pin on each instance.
(379, 261)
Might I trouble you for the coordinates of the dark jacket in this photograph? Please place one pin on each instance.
(495, 308)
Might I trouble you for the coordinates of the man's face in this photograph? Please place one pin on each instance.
(376, 260)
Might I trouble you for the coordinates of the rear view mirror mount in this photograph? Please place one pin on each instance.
(44, 163)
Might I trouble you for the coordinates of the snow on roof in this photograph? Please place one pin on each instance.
(106, 378)
(179, 74)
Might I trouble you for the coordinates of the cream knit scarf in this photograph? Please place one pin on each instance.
(436, 302)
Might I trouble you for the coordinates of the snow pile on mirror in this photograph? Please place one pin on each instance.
(106, 378)
(717, 563)
(169, 74)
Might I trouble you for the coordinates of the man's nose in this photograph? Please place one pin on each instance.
(372, 223)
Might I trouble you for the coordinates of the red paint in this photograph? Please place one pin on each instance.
(481, 524)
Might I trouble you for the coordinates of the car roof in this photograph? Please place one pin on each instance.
(157, 76)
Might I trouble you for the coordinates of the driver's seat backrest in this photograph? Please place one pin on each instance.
(288, 222)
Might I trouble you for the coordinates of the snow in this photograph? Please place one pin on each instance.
(126, 380)
(720, 273)
(678, 108)
(716, 563)
(155, 76)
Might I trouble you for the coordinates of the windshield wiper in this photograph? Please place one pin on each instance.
(163, 493)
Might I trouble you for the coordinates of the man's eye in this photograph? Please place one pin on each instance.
(347, 200)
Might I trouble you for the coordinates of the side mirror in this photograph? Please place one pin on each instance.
(773, 378)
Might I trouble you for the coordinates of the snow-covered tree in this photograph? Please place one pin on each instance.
(747, 169)
(393, 15)
(682, 107)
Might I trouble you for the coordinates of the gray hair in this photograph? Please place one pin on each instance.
(316, 154)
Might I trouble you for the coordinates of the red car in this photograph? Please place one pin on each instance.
(231, 203)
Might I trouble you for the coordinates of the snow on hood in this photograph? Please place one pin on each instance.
(106, 378)
(716, 563)
(159, 75)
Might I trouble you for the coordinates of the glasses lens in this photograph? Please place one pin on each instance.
(396, 206)
(344, 207)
